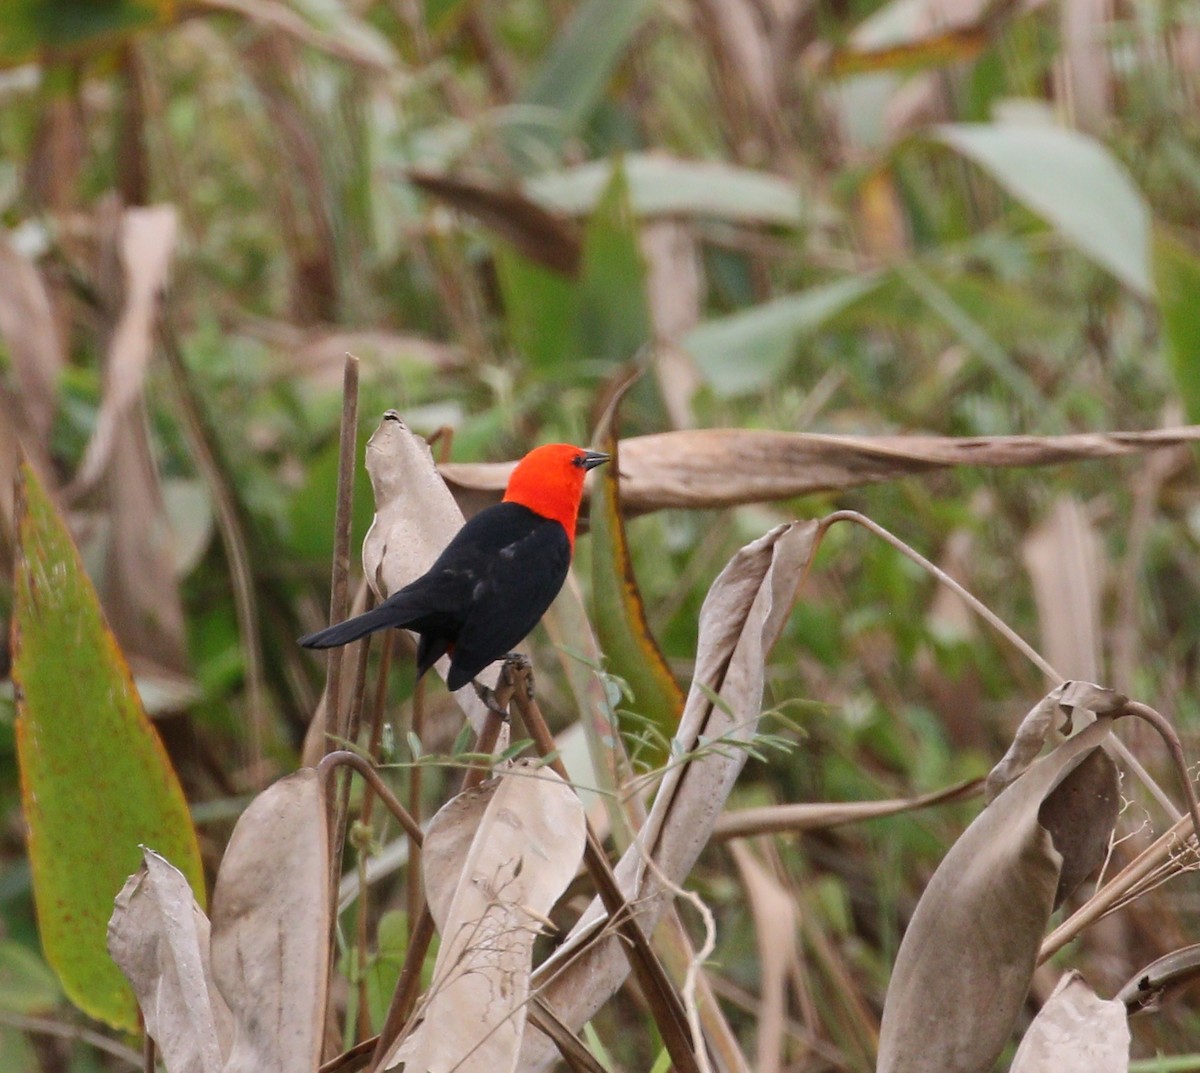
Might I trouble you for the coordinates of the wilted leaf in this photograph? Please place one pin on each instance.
(1075, 1032)
(495, 860)
(159, 937)
(95, 780)
(415, 518)
(725, 467)
(332, 28)
(964, 965)
(630, 649)
(28, 327)
(1150, 987)
(147, 242)
(1063, 557)
(1073, 182)
(270, 928)
(662, 185)
(741, 618)
(540, 235)
(1035, 728)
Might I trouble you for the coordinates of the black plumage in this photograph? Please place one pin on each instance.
(480, 598)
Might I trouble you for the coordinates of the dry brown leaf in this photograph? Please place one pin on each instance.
(813, 816)
(495, 861)
(774, 915)
(674, 293)
(1037, 726)
(159, 937)
(270, 928)
(1084, 75)
(147, 242)
(1064, 561)
(28, 326)
(541, 235)
(366, 49)
(724, 467)
(967, 957)
(1075, 1032)
(415, 518)
(740, 620)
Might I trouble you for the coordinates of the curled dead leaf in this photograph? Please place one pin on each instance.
(495, 860)
(740, 620)
(159, 937)
(722, 467)
(967, 957)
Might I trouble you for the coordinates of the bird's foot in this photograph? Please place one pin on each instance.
(490, 700)
(517, 665)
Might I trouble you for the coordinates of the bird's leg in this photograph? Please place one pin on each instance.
(496, 700)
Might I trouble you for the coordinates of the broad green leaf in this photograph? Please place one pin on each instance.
(614, 316)
(540, 308)
(29, 28)
(601, 316)
(747, 350)
(1177, 278)
(580, 62)
(1071, 181)
(662, 185)
(95, 780)
(630, 649)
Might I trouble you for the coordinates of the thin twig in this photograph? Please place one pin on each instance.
(344, 757)
(340, 577)
(46, 1026)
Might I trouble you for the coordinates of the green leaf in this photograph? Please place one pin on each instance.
(1177, 278)
(601, 316)
(629, 646)
(746, 351)
(95, 780)
(1071, 181)
(614, 316)
(580, 62)
(540, 308)
(661, 185)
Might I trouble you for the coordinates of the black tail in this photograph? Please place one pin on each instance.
(342, 633)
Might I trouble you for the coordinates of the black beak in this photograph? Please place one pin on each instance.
(592, 459)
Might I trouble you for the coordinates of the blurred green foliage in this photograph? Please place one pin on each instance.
(965, 240)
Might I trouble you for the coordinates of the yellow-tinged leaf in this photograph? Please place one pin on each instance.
(629, 646)
(95, 779)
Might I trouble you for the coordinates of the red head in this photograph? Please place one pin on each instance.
(549, 481)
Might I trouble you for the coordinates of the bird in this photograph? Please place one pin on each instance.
(494, 580)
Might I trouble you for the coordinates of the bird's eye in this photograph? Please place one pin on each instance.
(579, 460)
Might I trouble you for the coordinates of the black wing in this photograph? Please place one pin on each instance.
(526, 567)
